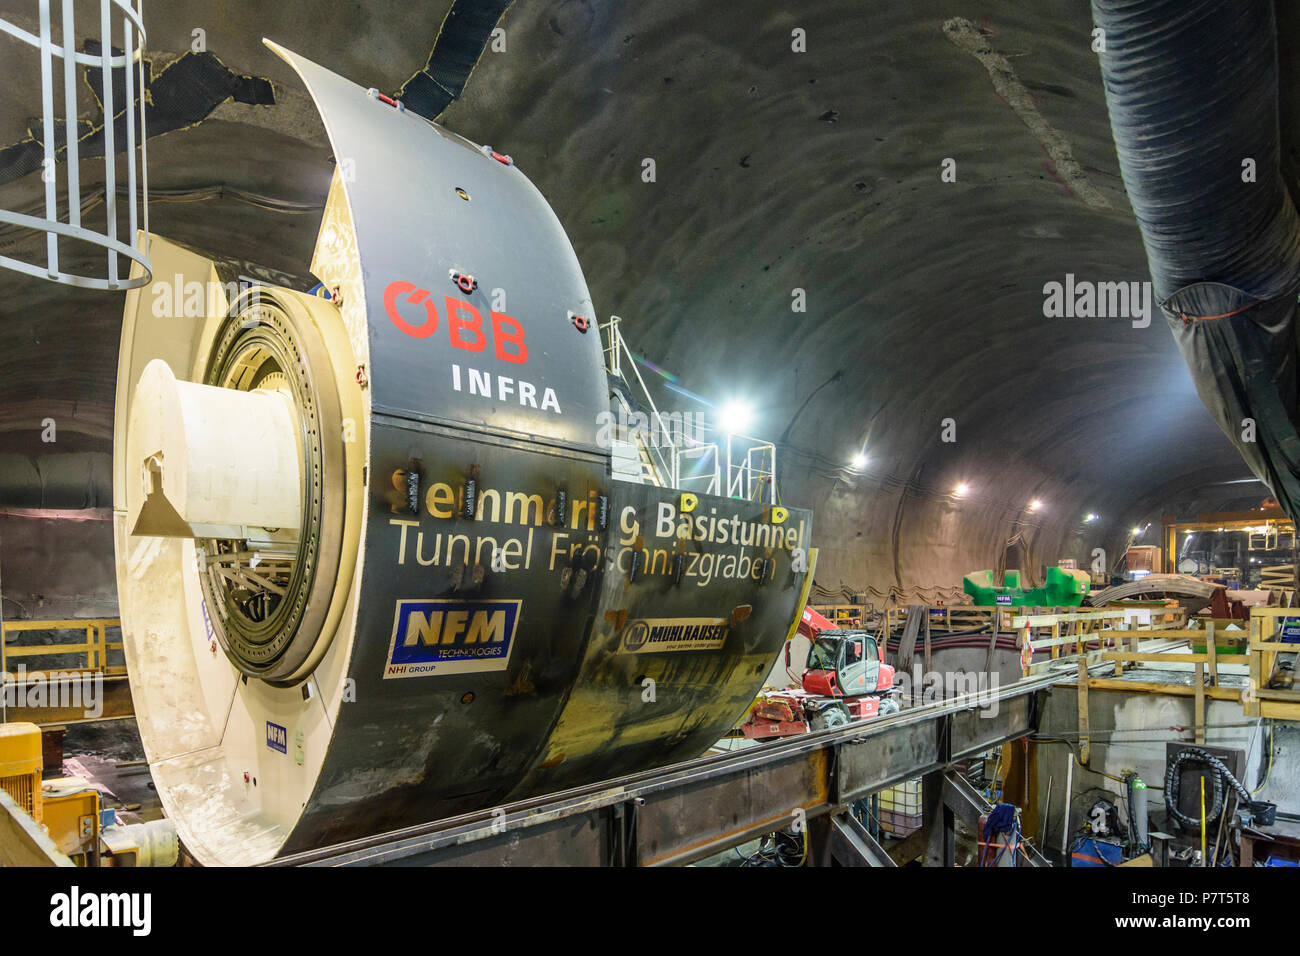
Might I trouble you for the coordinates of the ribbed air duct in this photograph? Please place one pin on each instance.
(64, 482)
(1192, 89)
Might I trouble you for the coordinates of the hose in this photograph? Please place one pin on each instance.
(1221, 776)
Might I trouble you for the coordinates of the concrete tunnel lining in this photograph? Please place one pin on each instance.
(780, 178)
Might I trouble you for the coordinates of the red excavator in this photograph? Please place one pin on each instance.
(846, 678)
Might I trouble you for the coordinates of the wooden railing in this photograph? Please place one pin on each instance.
(1135, 648)
(949, 617)
(94, 648)
(1073, 631)
(1262, 651)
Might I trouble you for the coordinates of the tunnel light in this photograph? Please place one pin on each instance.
(734, 418)
(961, 490)
(1035, 505)
(1136, 532)
(859, 462)
(1089, 518)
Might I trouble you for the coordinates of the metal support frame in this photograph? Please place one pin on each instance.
(851, 845)
(671, 816)
(130, 37)
(939, 821)
(967, 804)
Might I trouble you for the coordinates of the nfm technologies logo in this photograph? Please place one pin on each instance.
(1083, 299)
(451, 637)
(75, 909)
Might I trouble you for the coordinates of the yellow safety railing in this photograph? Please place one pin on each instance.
(95, 647)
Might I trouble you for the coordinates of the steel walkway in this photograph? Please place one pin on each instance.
(688, 811)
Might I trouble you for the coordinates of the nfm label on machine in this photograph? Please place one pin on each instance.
(451, 637)
(277, 738)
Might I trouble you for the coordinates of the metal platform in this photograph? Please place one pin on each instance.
(688, 811)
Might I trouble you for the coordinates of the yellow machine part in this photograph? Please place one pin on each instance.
(71, 808)
(20, 766)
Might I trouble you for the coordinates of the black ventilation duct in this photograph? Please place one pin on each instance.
(71, 481)
(1192, 88)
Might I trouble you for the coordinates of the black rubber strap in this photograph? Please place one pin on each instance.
(461, 40)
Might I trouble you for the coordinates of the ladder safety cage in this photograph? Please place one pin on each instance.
(739, 467)
(120, 27)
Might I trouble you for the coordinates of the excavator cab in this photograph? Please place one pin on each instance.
(846, 664)
(846, 679)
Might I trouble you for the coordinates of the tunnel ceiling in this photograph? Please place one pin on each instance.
(775, 170)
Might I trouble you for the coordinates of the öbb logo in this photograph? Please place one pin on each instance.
(464, 323)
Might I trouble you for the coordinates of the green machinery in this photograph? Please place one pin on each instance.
(1064, 588)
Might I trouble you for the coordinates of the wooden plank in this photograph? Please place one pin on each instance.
(1046, 620)
(907, 643)
(1278, 693)
(1276, 710)
(1250, 702)
(1157, 687)
(1200, 703)
(1084, 746)
(1211, 651)
(928, 668)
(41, 650)
(61, 625)
(1157, 657)
(1180, 634)
(114, 702)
